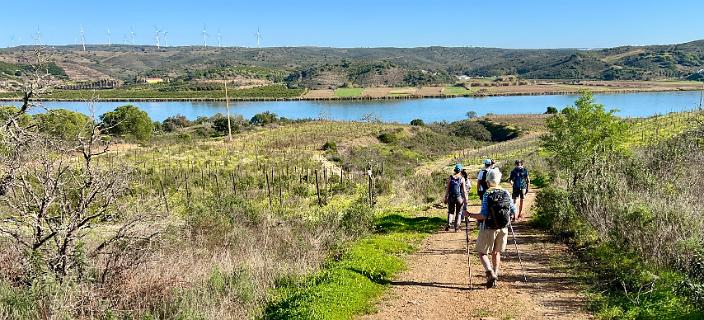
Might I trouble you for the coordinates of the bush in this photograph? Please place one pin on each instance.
(330, 145)
(8, 111)
(417, 122)
(551, 110)
(388, 137)
(130, 121)
(176, 122)
(472, 129)
(264, 118)
(64, 124)
(219, 122)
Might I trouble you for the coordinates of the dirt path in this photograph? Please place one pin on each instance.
(435, 286)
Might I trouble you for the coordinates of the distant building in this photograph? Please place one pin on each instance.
(153, 80)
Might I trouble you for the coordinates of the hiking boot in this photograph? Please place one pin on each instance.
(447, 227)
(456, 227)
(490, 280)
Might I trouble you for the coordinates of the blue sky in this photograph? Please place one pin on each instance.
(360, 23)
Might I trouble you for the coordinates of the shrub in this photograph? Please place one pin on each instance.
(219, 122)
(388, 137)
(64, 124)
(264, 118)
(551, 110)
(176, 122)
(472, 129)
(330, 145)
(130, 121)
(417, 122)
(8, 111)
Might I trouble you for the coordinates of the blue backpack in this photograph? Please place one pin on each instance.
(455, 187)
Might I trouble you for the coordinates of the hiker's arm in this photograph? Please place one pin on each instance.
(466, 193)
(447, 191)
(477, 216)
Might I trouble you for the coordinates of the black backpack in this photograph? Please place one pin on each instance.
(498, 202)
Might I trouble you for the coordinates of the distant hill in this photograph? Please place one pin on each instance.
(316, 67)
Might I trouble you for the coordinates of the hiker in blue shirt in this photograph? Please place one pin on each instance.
(455, 197)
(520, 181)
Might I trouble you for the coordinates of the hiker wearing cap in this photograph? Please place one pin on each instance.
(519, 180)
(495, 217)
(481, 178)
(455, 197)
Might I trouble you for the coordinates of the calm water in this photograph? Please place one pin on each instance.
(403, 111)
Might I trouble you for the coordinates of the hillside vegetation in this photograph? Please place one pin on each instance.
(323, 68)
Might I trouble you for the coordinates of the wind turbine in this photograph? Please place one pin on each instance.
(259, 37)
(109, 38)
(166, 40)
(83, 38)
(219, 39)
(38, 38)
(132, 36)
(13, 39)
(205, 37)
(157, 33)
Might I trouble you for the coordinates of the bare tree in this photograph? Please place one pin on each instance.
(54, 194)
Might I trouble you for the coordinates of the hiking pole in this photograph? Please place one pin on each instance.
(525, 279)
(469, 263)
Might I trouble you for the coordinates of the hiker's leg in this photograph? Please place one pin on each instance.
(499, 246)
(485, 244)
(496, 262)
(484, 258)
(450, 213)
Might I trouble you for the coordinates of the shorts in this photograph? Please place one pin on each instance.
(518, 193)
(492, 240)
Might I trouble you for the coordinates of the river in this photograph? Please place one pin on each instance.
(403, 111)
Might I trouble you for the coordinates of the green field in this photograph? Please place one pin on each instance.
(457, 91)
(348, 92)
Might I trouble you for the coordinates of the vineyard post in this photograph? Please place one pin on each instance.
(317, 188)
(268, 186)
(163, 194)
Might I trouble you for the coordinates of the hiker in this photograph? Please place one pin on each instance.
(519, 180)
(455, 197)
(495, 216)
(481, 179)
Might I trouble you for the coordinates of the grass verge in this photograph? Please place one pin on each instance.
(351, 281)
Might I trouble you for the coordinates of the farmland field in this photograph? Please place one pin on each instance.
(348, 92)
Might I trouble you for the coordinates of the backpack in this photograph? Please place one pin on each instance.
(521, 175)
(498, 202)
(455, 188)
(483, 183)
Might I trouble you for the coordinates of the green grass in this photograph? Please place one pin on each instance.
(350, 284)
(457, 91)
(348, 92)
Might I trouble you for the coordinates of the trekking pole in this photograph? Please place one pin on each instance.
(469, 263)
(525, 279)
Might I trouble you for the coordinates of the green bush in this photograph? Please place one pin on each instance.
(417, 122)
(64, 124)
(330, 145)
(264, 118)
(129, 121)
(472, 129)
(388, 137)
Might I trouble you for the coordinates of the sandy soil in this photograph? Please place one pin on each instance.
(435, 286)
